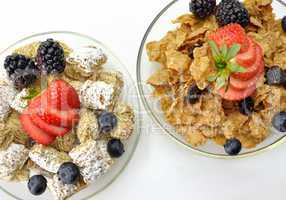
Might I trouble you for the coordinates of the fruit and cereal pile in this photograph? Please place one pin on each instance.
(222, 73)
(62, 121)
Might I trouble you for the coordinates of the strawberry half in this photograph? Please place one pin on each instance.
(35, 132)
(48, 128)
(62, 96)
(229, 35)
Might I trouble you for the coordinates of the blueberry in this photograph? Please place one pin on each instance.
(69, 173)
(232, 147)
(194, 94)
(279, 121)
(246, 106)
(37, 184)
(107, 121)
(275, 76)
(284, 24)
(115, 148)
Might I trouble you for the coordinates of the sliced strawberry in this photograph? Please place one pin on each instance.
(48, 128)
(236, 95)
(34, 132)
(229, 35)
(65, 118)
(249, 57)
(62, 96)
(252, 70)
(241, 84)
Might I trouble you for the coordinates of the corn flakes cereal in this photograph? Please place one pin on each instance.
(185, 59)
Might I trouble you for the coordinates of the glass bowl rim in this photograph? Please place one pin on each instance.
(156, 118)
(138, 114)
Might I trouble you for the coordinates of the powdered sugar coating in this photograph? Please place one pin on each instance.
(12, 159)
(96, 95)
(48, 158)
(59, 190)
(7, 94)
(19, 103)
(92, 158)
(88, 58)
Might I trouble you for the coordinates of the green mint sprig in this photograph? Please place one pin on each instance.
(32, 92)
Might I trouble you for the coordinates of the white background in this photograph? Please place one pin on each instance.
(160, 169)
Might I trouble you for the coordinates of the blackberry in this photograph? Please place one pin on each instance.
(202, 8)
(50, 57)
(232, 11)
(22, 70)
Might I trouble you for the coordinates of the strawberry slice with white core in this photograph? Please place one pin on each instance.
(249, 57)
(37, 134)
(243, 84)
(252, 70)
(236, 95)
(48, 128)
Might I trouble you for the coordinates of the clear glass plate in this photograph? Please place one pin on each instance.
(157, 29)
(19, 190)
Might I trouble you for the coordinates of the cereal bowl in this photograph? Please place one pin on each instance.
(124, 107)
(162, 26)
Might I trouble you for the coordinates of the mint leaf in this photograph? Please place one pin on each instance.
(236, 68)
(215, 50)
(233, 51)
(32, 93)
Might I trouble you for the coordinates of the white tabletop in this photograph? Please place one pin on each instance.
(160, 168)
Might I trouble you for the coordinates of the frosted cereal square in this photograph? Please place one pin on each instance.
(19, 103)
(97, 95)
(48, 158)
(12, 159)
(7, 94)
(125, 121)
(92, 158)
(114, 78)
(62, 191)
(87, 128)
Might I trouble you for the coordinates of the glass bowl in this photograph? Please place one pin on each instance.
(19, 190)
(157, 29)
